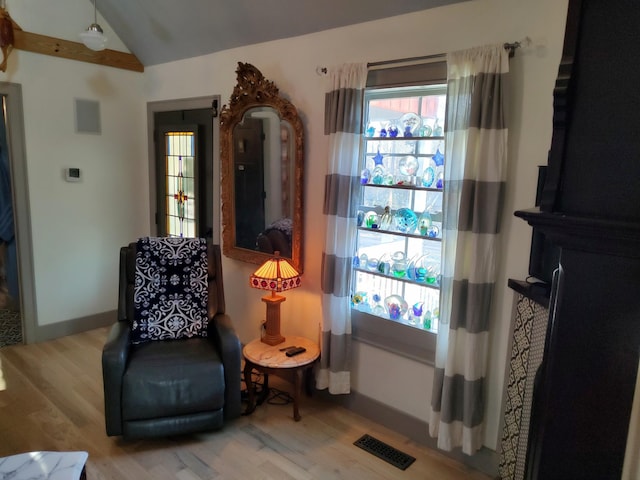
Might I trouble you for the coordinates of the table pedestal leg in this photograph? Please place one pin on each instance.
(264, 394)
(297, 379)
(251, 395)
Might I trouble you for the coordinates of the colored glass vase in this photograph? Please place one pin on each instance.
(399, 265)
(392, 129)
(415, 314)
(420, 268)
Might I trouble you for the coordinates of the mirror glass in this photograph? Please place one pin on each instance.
(261, 154)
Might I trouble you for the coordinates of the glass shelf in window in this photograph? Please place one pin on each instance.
(405, 187)
(374, 288)
(401, 234)
(410, 163)
(403, 139)
(378, 245)
(435, 286)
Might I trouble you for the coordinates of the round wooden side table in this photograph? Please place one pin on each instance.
(272, 359)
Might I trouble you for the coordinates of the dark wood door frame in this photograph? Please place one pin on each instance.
(176, 105)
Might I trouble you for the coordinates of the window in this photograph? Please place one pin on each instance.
(180, 184)
(396, 266)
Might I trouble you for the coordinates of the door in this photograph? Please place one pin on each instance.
(184, 178)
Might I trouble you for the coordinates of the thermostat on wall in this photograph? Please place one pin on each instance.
(72, 174)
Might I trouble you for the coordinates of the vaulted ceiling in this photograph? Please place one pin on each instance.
(160, 31)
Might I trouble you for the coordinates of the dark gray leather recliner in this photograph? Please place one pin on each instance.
(170, 387)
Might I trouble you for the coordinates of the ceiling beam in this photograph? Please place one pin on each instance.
(33, 42)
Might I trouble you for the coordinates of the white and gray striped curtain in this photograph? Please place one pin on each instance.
(343, 125)
(475, 175)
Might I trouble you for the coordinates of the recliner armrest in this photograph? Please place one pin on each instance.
(221, 332)
(114, 361)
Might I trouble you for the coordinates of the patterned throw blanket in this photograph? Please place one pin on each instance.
(170, 293)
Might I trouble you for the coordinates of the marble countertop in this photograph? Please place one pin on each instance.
(43, 466)
(271, 356)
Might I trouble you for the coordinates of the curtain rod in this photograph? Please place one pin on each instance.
(510, 46)
(409, 59)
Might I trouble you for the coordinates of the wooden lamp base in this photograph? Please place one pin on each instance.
(272, 323)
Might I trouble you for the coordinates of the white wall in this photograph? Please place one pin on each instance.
(291, 64)
(77, 228)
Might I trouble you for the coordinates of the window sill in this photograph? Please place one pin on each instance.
(410, 342)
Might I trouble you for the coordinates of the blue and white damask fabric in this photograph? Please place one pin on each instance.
(170, 293)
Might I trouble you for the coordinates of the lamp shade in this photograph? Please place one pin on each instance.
(93, 38)
(276, 274)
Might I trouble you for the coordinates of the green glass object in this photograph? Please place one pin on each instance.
(433, 270)
(371, 219)
(424, 222)
(399, 264)
(384, 266)
(426, 320)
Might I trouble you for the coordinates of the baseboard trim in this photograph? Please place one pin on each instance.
(75, 325)
(485, 460)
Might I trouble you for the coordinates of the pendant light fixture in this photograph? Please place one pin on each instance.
(93, 37)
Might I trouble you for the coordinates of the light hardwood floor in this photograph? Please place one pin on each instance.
(51, 399)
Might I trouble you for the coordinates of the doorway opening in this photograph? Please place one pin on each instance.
(18, 319)
(10, 317)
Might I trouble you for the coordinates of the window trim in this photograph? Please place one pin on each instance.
(395, 337)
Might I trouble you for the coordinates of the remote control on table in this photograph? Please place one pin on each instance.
(295, 351)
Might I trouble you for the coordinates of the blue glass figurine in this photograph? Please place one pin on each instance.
(438, 158)
(371, 130)
(415, 314)
(379, 170)
(365, 176)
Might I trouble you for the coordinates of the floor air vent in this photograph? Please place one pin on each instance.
(385, 452)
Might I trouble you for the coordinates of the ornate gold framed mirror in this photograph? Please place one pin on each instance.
(261, 150)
